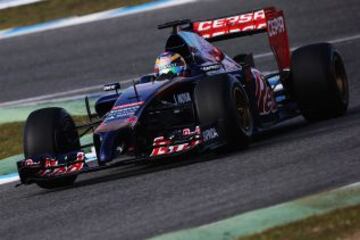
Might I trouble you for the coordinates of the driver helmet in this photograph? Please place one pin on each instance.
(170, 65)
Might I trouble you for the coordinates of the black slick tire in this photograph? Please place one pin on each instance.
(221, 99)
(319, 82)
(50, 131)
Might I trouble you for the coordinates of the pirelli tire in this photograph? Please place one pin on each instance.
(221, 99)
(50, 131)
(319, 82)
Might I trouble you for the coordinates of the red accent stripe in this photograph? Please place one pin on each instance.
(128, 105)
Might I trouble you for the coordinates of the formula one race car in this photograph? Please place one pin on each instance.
(220, 101)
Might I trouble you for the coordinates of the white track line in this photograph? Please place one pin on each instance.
(50, 96)
(9, 178)
(77, 20)
(47, 97)
(63, 95)
(334, 41)
(11, 3)
(345, 39)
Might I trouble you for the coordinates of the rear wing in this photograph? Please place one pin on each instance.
(268, 20)
(232, 26)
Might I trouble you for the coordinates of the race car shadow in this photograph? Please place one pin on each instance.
(299, 128)
(292, 130)
(128, 171)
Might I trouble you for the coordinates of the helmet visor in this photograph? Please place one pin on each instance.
(171, 70)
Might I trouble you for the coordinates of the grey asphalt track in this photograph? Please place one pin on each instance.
(293, 160)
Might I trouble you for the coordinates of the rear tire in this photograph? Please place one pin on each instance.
(51, 131)
(222, 99)
(319, 82)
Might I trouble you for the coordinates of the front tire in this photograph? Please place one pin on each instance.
(50, 131)
(319, 82)
(222, 100)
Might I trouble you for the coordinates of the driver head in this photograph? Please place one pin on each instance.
(170, 65)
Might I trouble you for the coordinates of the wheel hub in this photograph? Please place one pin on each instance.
(242, 109)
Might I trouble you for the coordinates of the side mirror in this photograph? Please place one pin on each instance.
(245, 59)
(112, 87)
(147, 78)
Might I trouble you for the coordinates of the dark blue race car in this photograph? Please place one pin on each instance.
(198, 99)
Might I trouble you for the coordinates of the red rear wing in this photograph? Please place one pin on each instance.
(267, 20)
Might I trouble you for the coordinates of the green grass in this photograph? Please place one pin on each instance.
(336, 225)
(11, 137)
(55, 9)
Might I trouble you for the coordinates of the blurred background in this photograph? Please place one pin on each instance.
(55, 52)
